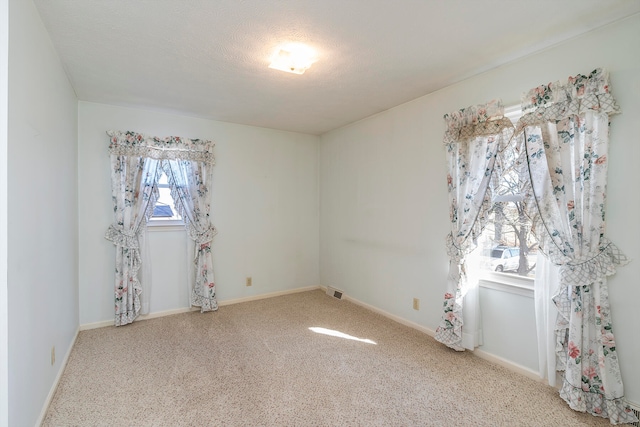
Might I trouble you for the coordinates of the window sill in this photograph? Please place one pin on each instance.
(165, 225)
(505, 282)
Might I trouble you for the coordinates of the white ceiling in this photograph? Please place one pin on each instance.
(209, 58)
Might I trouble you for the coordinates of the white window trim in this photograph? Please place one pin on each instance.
(158, 224)
(513, 113)
(506, 282)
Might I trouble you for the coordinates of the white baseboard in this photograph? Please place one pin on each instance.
(105, 323)
(54, 386)
(512, 366)
(393, 317)
(269, 295)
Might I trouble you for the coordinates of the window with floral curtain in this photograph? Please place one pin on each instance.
(564, 132)
(472, 139)
(137, 162)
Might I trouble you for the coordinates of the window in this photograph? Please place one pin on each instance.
(165, 212)
(507, 244)
(508, 248)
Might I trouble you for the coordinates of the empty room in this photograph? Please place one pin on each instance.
(319, 213)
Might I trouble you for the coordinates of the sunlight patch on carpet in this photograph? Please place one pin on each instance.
(339, 334)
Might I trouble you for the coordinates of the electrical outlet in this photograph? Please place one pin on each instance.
(53, 355)
(248, 283)
(416, 304)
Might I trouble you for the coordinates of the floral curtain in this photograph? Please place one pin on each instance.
(566, 129)
(190, 190)
(136, 162)
(472, 140)
(134, 194)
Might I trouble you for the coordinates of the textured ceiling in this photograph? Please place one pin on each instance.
(209, 58)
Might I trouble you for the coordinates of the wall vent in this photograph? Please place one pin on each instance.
(333, 292)
(636, 412)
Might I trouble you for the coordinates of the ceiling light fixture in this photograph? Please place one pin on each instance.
(293, 58)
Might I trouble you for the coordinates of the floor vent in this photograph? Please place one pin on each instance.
(333, 292)
(636, 412)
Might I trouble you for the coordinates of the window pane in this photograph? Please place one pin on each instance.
(507, 243)
(165, 207)
(507, 232)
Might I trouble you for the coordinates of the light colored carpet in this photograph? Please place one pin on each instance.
(259, 364)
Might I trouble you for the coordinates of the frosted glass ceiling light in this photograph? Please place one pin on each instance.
(293, 58)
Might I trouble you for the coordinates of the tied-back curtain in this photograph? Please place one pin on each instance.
(472, 138)
(137, 161)
(566, 132)
(190, 182)
(134, 194)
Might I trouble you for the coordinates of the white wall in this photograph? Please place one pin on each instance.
(265, 207)
(508, 314)
(384, 210)
(168, 255)
(4, 303)
(42, 214)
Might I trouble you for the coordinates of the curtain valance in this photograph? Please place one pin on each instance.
(170, 148)
(556, 101)
(478, 120)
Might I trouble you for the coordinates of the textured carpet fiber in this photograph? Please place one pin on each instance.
(259, 364)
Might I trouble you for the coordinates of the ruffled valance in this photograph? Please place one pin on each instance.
(477, 120)
(474, 114)
(556, 101)
(172, 147)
